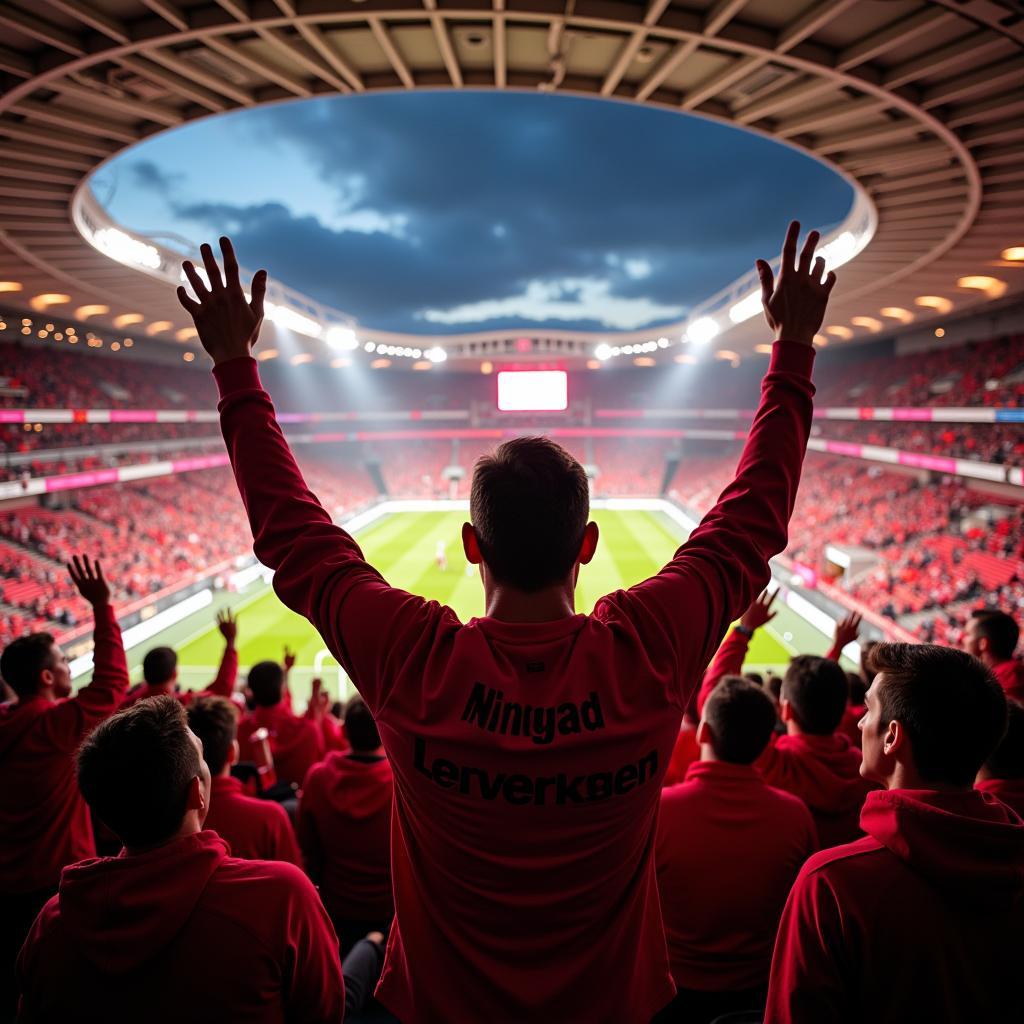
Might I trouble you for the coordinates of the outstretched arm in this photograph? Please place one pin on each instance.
(716, 573)
(103, 695)
(223, 684)
(731, 655)
(319, 570)
(847, 630)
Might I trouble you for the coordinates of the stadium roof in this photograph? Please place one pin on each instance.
(919, 104)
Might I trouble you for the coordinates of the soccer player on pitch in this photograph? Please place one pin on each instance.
(528, 746)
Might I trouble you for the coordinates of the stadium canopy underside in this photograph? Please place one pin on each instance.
(919, 104)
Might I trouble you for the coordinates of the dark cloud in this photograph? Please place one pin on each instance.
(496, 190)
(148, 175)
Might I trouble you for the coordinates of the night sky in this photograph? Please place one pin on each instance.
(462, 211)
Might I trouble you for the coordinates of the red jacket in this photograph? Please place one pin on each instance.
(729, 848)
(527, 757)
(345, 832)
(1010, 791)
(1011, 678)
(184, 932)
(44, 822)
(296, 743)
(222, 686)
(923, 920)
(824, 771)
(254, 829)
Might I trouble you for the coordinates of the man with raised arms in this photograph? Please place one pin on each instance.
(523, 871)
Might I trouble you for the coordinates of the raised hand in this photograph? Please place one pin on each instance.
(289, 659)
(759, 612)
(228, 625)
(89, 580)
(794, 304)
(847, 630)
(228, 325)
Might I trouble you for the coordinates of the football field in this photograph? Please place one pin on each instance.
(634, 545)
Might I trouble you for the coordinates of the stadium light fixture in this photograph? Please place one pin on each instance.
(370, 347)
(340, 362)
(1014, 254)
(436, 354)
(686, 358)
(423, 364)
(662, 343)
(47, 299)
(10, 286)
(870, 322)
(766, 350)
(188, 356)
(301, 358)
(937, 302)
(380, 364)
(266, 354)
(702, 330)
(603, 352)
(341, 339)
(644, 361)
(897, 313)
(186, 334)
(819, 339)
(95, 309)
(292, 320)
(747, 307)
(158, 327)
(120, 246)
(993, 287)
(127, 319)
(839, 332)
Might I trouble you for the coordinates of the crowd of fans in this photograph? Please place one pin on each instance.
(536, 815)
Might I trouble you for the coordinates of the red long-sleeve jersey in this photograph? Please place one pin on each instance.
(527, 757)
(44, 821)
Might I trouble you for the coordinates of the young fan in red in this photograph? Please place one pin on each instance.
(160, 669)
(992, 636)
(175, 928)
(729, 847)
(1002, 774)
(528, 746)
(44, 822)
(922, 920)
(254, 829)
(296, 743)
(344, 829)
(813, 761)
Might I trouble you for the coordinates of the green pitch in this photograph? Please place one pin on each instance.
(634, 545)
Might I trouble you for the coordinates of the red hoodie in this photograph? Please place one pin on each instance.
(254, 829)
(527, 757)
(345, 831)
(222, 686)
(824, 771)
(923, 920)
(1010, 791)
(729, 848)
(44, 822)
(184, 932)
(1011, 678)
(296, 743)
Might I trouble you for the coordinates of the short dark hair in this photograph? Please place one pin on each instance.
(741, 717)
(754, 677)
(529, 503)
(816, 691)
(215, 721)
(266, 681)
(999, 629)
(24, 659)
(135, 768)
(158, 665)
(953, 709)
(1007, 760)
(856, 688)
(360, 728)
